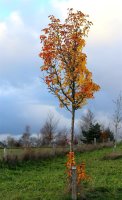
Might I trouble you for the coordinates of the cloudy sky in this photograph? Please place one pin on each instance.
(24, 99)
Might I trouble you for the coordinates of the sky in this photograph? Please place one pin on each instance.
(24, 99)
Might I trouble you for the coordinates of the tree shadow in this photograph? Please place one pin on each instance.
(103, 193)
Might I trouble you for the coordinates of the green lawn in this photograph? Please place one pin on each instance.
(46, 180)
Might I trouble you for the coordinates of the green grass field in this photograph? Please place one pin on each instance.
(46, 180)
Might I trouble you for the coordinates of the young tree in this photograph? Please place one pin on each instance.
(66, 74)
(117, 117)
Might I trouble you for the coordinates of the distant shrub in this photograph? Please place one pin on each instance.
(112, 156)
(31, 154)
(12, 159)
(91, 147)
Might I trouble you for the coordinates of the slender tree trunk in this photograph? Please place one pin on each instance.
(73, 178)
(72, 128)
(74, 183)
(116, 131)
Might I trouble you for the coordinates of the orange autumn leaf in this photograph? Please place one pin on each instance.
(65, 61)
(80, 169)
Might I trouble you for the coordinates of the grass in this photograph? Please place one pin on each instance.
(46, 179)
(33, 180)
(106, 175)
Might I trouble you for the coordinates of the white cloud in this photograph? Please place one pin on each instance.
(105, 15)
(104, 118)
(4, 136)
(37, 113)
(27, 107)
(15, 19)
(3, 29)
(6, 90)
(18, 42)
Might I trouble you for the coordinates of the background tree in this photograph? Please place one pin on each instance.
(107, 134)
(34, 141)
(62, 137)
(39, 139)
(3, 144)
(48, 131)
(94, 131)
(86, 121)
(66, 74)
(117, 117)
(11, 142)
(25, 139)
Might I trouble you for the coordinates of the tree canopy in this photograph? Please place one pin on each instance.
(66, 74)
